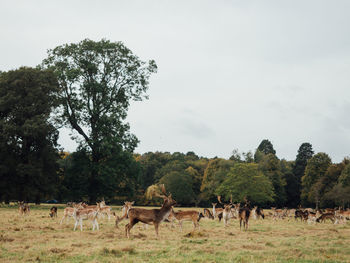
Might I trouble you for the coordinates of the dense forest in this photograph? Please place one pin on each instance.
(87, 87)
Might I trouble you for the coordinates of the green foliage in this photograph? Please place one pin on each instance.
(180, 186)
(214, 174)
(28, 139)
(98, 80)
(245, 180)
(344, 178)
(291, 187)
(271, 167)
(265, 147)
(305, 152)
(315, 169)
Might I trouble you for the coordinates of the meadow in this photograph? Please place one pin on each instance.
(39, 238)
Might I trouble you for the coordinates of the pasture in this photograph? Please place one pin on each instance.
(37, 237)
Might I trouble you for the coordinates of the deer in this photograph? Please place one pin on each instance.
(217, 212)
(86, 213)
(227, 213)
(191, 215)
(207, 213)
(23, 208)
(53, 212)
(68, 211)
(244, 214)
(326, 216)
(105, 209)
(151, 216)
(125, 210)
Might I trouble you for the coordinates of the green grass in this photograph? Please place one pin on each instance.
(38, 238)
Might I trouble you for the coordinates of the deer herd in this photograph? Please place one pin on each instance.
(228, 211)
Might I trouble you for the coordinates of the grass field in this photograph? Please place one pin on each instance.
(37, 237)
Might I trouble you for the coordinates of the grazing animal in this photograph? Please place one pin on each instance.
(53, 212)
(207, 213)
(227, 214)
(326, 216)
(125, 210)
(151, 216)
(193, 216)
(86, 213)
(23, 208)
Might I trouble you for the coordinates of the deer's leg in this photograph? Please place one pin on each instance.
(156, 226)
(75, 225)
(129, 226)
(180, 224)
(81, 224)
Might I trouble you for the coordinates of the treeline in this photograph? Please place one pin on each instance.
(87, 87)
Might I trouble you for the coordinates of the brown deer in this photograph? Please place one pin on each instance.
(244, 214)
(23, 208)
(326, 216)
(191, 215)
(207, 213)
(53, 212)
(152, 216)
(125, 210)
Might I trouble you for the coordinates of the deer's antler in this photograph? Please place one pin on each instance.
(219, 199)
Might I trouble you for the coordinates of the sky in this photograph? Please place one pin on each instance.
(230, 73)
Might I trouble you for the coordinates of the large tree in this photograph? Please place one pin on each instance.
(316, 168)
(270, 165)
(246, 181)
(264, 148)
(28, 138)
(305, 152)
(98, 80)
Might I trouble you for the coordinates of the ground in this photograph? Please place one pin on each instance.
(37, 237)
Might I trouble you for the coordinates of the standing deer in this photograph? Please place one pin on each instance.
(125, 210)
(152, 216)
(207, 213)
(226, 214)
(191, 215)
(244, 214)
(217, 212)
(86, 213)
(23, 208)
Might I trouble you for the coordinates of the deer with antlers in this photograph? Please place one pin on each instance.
(152, 216)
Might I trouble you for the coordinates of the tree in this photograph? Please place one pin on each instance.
(271, 167)
(305, 152)
(180, 186)
(98, 80)
(291, 187)
(28, 138)
(315, 169)
(246, 181)
(214, 174)
(265, 147)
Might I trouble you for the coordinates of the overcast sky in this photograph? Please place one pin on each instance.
(231, 73)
